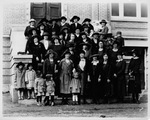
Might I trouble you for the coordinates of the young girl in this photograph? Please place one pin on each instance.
(39, 87)
(30, 76)
(20, 80)
(50, 89)
(75, 87)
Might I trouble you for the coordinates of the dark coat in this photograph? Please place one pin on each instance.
(134, 67)
(73, 27)
(27, 30)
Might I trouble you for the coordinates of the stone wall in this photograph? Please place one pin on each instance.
(14, 13)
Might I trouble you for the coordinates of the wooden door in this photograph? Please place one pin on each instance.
(45, 10)
(53, 10)
(38, 11)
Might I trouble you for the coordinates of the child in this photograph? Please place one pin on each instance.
(75, 87)
(50, 89)
(20, 79)
(39, 87)
(30, 76)
(120, 40)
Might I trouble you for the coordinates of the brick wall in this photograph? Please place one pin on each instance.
(14, 13)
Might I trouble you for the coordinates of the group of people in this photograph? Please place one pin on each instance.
(75, 59)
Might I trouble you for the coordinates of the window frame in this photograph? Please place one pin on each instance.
(121, 16)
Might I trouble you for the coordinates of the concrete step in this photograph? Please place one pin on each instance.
(6, 79)
(6, 65)
(6, 72)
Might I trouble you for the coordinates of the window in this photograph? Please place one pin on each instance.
(115, 9)
(143, 10)
(130, 9)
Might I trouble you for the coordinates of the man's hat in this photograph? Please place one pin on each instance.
(20, 63)
(63, 17)
(83, 33)
(109, 35)
(103, 21)
(75, 17)
(86, 20)
(32, 20)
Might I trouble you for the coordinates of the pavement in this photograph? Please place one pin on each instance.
(28, 108)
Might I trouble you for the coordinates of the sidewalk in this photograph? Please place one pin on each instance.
(29, 108)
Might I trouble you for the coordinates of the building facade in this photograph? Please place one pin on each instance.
(130, 18)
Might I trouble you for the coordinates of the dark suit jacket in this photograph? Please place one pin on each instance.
(73, 27)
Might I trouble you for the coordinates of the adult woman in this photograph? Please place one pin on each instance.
(101, 50)
(46, 41)
(134, 74)
(38, 51)
(63, 22)
(87, 23)
(50, 67)
(66, 66)
(104, 30)
(106, 75)
(120, 77)
(57, 47)
(95, 42)
(95, 74)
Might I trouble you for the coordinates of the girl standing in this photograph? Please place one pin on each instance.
(75, 87)
(20, 80)
(30, 76)
(39, 87)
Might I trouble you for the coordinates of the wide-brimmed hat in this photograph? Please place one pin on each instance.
(103, 21)
(81, 51)
(70, 45)
(74, 17)
(115, 42)
(87, 44)
(87, 20)
(20, 63)
(95, 33)
(65, 27)
(120, 53)
(94, 55)
(29, 64)
(85, 26)
(54, 19)
(32, 20)
(83, 33)
(43, 20)
(63, 17)
(51, 51)
(119, 32)
(109, 35)
(46, 34)
(30, 31)
(35, 36)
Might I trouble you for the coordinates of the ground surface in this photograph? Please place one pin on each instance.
(29, 108)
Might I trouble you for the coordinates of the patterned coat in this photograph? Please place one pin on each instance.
(39, 86)
(65, 76)
(20, 78)
(75, 85)
(30, 78)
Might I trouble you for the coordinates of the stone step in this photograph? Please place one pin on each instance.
(6, 72)
(6, 79)
(6, 58)
(6, 42)
(6, 65)
(6, 50)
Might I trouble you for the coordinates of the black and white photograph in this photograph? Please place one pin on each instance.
(75, 59)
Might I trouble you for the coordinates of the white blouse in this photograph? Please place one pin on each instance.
(82, 64)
